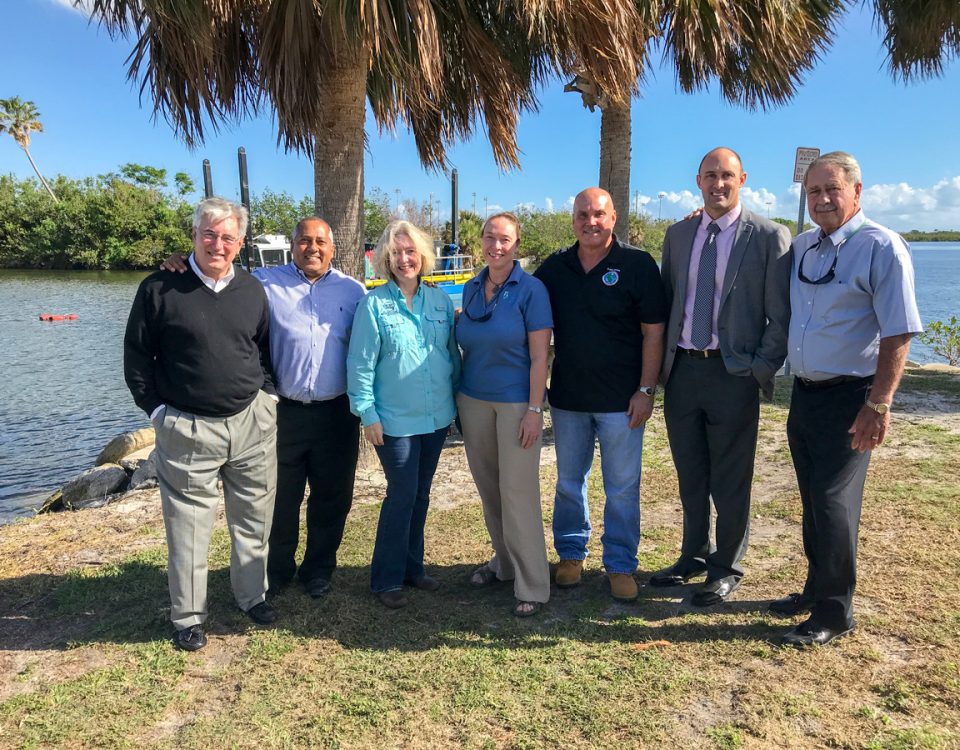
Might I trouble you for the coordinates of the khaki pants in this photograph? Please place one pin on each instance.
(192, 453)
(508, 480)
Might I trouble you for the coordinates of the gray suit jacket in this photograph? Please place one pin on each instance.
(755, 300)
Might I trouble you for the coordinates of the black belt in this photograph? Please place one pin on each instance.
(700, 353)
(819, 385)
(294, 401)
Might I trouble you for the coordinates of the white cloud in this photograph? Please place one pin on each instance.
(900, 206)
(903, 206)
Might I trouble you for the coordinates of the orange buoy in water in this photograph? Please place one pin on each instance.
(48, 317)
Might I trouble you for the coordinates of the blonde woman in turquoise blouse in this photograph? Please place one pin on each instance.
(403, 367)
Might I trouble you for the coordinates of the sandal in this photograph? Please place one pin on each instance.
(483, 577)
(526, 609)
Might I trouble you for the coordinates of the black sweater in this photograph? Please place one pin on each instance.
(201, 352)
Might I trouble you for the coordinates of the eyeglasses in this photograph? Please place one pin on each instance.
(210, 238)
(487, 315)
(831, 272)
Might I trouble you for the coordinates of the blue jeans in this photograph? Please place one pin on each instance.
(620, 454)
(409, 464)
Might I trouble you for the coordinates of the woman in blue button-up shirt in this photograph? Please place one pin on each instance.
(504, 330)
(402, 369)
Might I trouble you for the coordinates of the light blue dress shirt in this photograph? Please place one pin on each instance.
(836, 327)
(310, 330)
(403, 365)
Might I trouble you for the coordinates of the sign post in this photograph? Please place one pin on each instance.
(805, 157)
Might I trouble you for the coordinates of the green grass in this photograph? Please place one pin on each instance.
(456, 670)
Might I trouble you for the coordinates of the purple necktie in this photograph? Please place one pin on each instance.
(701, 330)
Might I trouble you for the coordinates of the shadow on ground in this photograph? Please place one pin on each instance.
(128, 603)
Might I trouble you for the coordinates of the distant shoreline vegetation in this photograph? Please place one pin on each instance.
(938, 235)
(134, 218)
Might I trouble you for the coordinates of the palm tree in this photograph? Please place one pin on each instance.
(757, 51)
(19, 119)
(434, 66)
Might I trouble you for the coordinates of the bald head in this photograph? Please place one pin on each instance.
(720, 178)
(724, 152)
(593, 219)
(593, 195)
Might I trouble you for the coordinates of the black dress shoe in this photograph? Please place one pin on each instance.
(790, 605)
(317, 587)
(262, 614)
(678, 573)
(424, 583)
(393, 599)
(190, 639)
(809, 633)
(714, 592)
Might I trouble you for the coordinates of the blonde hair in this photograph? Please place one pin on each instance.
(387, 248)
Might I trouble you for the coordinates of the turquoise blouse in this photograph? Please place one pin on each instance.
(403, 366)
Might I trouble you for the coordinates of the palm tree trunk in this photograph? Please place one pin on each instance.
(338, 157)
(615, 162)
(42, 181)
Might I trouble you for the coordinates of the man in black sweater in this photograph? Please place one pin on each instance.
(197, 360)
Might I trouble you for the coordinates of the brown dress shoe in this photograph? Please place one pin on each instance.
(568, 573)
(623, 587)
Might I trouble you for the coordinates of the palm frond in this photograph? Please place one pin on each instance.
(757, 50)
(439, 67)
(921, 36)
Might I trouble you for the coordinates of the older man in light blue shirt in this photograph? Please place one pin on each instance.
(853, 313)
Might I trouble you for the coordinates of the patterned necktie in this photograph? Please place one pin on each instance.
(702, 329)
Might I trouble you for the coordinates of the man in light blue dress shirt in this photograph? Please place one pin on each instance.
(311, 314)
(853, 313)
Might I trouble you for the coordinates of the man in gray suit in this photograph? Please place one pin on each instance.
(726, 274)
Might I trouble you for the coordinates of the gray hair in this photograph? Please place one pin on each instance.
(387, 248)
(218, 209)
(842, 161)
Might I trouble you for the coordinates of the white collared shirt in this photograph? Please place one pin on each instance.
(214, 285)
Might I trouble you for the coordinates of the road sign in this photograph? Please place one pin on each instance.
(805, 157)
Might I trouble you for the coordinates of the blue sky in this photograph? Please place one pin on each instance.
(903, 135)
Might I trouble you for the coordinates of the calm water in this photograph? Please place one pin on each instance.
(62, 395)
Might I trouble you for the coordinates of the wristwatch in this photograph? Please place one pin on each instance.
(880, 409)
(535, 409)
(647, 390)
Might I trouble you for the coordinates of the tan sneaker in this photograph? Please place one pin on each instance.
(623, 587)
(568, 573)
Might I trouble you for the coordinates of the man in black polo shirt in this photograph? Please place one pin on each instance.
(196, 358)
(608, 313)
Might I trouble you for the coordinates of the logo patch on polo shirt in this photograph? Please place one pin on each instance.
(611, 277)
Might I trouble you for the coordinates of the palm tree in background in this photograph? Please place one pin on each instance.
(757, 51)
(434, 66)
(19, 119)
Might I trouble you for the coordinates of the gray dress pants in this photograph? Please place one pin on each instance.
(192, 453)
